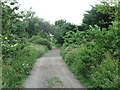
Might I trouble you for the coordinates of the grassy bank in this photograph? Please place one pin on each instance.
(16, 69)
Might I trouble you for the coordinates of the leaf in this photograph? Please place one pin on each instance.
(12, 3)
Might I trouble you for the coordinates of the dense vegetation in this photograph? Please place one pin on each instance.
(92, 50)
(25, 38)
(95, 56)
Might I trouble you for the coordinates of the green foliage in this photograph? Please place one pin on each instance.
(16, 69)
(99, 15)
(12, 41)
(40, 40)
(92, 49)
(63, 28)
(93, 17)
(106, 39)
(106, 74)
(111, 7)
(18, 56)
(82, 59)
(93, 55)
(35, 25)
(60, 23)
(70, 37)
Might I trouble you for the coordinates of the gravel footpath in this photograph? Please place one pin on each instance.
(49, 66)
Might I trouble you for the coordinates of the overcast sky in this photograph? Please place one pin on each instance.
(52, 10)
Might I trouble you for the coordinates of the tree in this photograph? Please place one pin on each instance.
(63, 28)
(111, 7)
(93, 17)
(60, 23)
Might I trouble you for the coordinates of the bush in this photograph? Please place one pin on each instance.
(94, 58)
(106, 74)
(16, 69)
(40, 40)
(92, 67)
(83, 58)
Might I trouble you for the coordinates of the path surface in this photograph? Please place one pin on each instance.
(49, 66)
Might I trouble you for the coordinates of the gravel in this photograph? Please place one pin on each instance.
(49, 66)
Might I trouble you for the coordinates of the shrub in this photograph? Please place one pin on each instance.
(106, 74)
(94, 63)
(16, 69)
(40, 40)
(82, 59)
(92, 67)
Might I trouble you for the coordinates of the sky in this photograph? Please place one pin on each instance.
(51, 10)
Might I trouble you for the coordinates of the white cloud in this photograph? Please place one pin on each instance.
(52, 10)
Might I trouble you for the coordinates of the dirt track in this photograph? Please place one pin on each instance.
(49, 66)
